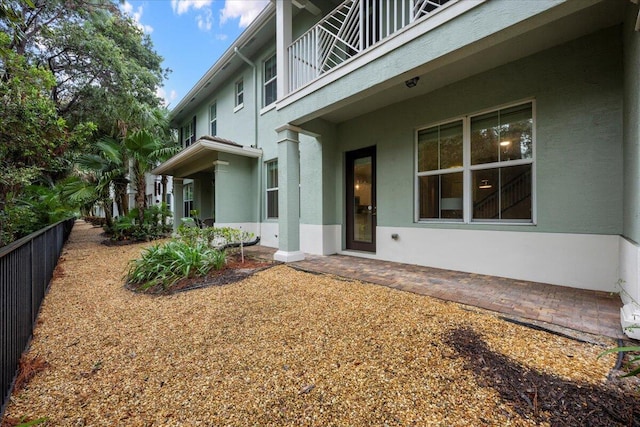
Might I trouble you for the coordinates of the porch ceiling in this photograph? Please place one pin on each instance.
(501, 48)
(201, 155)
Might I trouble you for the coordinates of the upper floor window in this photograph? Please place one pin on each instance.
(272, 188)
(478, 168)
(213, 119)
(188, 132)
(270, 81)
(239, 93)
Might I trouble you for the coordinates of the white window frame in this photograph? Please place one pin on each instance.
(270, 189)
(213, 119)
(187, 197)
(266, 83)
(239, 95)
(467, 169)
(187, 134)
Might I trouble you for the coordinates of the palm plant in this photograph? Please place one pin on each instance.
(145, 151)
(96, 175)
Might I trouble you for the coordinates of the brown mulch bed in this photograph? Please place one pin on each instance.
(284, 347)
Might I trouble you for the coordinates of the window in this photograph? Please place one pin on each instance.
(478, 168)
(239, 94)
(213, 120)
(270, 81)
(188, 133)
(440, 171)
(272, 188)
(187, 194)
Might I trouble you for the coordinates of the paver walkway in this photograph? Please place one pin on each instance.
(593, 312)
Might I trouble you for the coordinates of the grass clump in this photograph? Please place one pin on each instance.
(164, 264)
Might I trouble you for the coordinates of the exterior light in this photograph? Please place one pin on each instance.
(412, 82)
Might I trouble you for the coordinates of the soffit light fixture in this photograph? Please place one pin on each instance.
(412, 82)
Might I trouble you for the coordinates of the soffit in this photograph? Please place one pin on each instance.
(472, 60)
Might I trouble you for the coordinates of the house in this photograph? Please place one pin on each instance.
(491, 136)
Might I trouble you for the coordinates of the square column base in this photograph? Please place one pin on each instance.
(284, 256)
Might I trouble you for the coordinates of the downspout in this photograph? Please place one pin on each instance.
(255, 131)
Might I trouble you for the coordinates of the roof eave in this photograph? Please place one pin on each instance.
(262, 19)
(197, 148)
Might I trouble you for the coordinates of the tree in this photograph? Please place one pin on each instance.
(104, 66)
(145, 151)
(72, 73)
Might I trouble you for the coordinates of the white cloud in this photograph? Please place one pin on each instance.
(246, 10)
(221, 37)
(136, 15)
(205, 20)
(183, 6)
(166, 99)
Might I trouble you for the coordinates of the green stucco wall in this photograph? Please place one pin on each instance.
(578, 92)
(631, 126)
(236, 189)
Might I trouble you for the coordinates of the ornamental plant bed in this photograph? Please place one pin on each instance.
(234, 270)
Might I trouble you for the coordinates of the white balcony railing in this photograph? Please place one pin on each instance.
(350, 28)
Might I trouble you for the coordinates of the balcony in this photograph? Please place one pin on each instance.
(354, 26)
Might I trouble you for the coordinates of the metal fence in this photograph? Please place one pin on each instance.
(26, 267)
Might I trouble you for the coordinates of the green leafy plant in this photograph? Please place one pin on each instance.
(128, 227)
(163, 265)
(213, 236)
(634, 362)
(24, 423)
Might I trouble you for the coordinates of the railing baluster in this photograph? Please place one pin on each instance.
(352, 27)
(26, 266)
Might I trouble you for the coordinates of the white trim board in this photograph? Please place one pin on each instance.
(585, 261)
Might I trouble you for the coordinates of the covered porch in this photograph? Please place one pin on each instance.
(202, 174)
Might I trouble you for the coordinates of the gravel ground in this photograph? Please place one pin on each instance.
(282, 347)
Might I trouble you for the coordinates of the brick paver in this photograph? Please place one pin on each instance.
(594, 312)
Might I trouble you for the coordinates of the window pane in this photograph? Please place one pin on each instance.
(451, 145)
(441, 196)
(213, 112)
(272, 204)
(270, 93)
(214, 128)
(502, 135)
(516, 137)
(484, 138)
(485, 193)
(239, 93)
(272, 174)
(440, 147)
(502, 193)
(270, 68)
(515, 192)
(428, 150)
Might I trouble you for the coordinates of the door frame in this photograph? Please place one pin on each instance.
(350, 158)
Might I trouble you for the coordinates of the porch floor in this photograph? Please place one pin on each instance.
(549, 306)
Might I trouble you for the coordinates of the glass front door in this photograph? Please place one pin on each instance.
(361, 199)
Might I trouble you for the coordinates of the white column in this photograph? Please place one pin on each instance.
(288, 195)
(178, 203)
(283, 40)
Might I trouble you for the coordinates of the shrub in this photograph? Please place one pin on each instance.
(212, 236)
(163, 265)
(128, 227)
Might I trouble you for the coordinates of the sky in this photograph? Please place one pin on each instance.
(190, 35)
